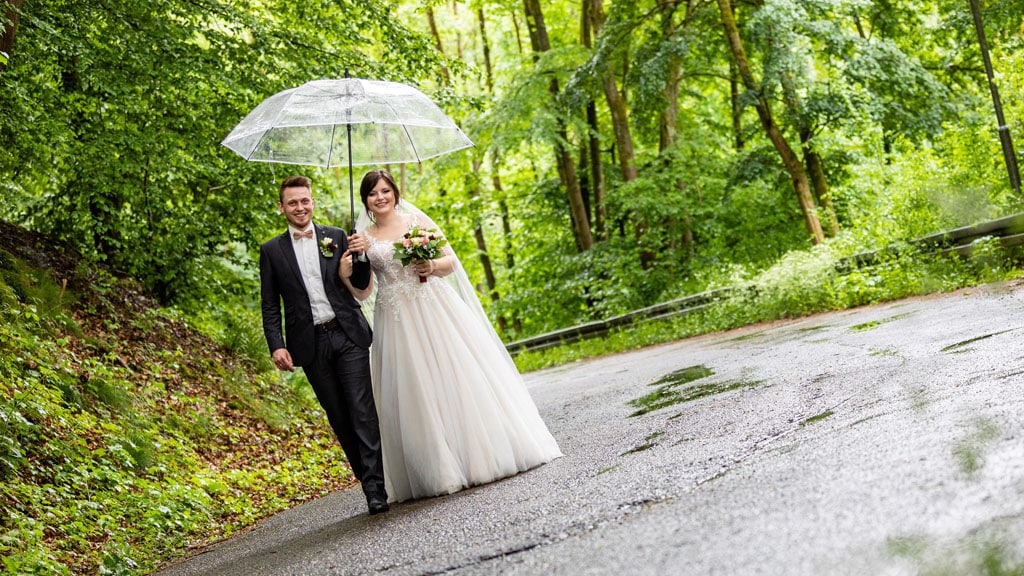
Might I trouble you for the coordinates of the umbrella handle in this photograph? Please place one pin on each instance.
(358, 256)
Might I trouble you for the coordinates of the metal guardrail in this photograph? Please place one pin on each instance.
(678, 307)
(1009, 230)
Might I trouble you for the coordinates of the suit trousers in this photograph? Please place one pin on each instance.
(340, 376)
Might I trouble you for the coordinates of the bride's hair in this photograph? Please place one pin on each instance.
(370, 180)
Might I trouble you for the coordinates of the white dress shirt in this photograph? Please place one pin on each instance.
(308, 255)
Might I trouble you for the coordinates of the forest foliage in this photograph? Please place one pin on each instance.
(627, 153)
(127, 436)
(614, 140)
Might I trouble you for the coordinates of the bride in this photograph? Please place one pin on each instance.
(454, 411)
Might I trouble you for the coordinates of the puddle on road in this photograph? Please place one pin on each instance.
(648, 443)
(884, 352)
(816, 418)
(750, 336)
(784, 335)
(867, 419)
(976, 554)
(960, 346)
(969, 452)
(876, 323)
(669, 393)
(812, 328)
(1011, 375)
(919, 398)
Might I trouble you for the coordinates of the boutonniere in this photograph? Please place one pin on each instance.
(328, 246)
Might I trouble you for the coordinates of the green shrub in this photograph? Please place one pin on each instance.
(123, 444)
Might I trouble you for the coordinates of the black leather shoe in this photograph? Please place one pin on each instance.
(377, 505)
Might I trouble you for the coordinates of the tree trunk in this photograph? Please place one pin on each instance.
(481, 247)
(616, 103)
(812, 161)
(519, 35)
(816, 171)
(567, 173)
(669, 118)
(495, 160)
(687, 235)
(566, 168)
(9, 31)
(620, 127)
(486, 45)
(458, 31)
(437, 43)
(737, 109)
(594, 141)
(792, 163)
(506, 228)
(734, 100)
(584, 176)
(597, 174)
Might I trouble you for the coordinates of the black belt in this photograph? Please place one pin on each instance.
(327, 326)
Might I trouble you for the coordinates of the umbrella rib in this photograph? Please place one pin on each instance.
(257, 146)
(272, 124)
(405, 129)
(330, 149)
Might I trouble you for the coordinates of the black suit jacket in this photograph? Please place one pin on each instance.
(281, 281)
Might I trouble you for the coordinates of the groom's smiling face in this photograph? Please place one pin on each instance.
(297, 206)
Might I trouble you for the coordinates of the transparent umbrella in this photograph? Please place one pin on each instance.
(349, 121)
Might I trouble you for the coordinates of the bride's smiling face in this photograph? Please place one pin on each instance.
(381, 198)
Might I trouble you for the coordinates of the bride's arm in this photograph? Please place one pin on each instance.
(442, 266)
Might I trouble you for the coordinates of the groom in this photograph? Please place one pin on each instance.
(327, 334)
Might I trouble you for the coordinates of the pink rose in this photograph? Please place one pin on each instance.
(407, 242)
(424, 241)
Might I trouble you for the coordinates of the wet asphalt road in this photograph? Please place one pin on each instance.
(883, 440)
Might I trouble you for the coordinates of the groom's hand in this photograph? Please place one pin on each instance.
(283, 360)
(345, 265)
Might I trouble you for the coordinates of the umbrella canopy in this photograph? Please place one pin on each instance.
(349, 121)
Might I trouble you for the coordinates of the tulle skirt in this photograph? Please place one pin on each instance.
(454, 411)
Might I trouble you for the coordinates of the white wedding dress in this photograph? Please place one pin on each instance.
(454, 411)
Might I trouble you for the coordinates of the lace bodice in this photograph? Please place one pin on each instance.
(397, 283)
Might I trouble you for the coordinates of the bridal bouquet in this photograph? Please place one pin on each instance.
(419, 244)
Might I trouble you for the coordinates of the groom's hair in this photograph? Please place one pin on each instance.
(294, 182)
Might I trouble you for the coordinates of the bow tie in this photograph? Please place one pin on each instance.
(306, 234)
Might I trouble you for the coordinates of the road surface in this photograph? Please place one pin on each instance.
(884, 440)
